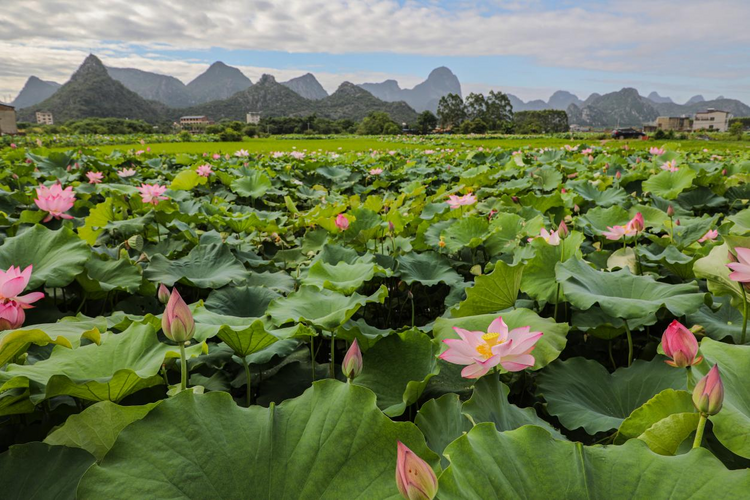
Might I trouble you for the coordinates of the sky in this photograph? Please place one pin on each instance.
(530, 48)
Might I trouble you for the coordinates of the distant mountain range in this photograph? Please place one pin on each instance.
(425, 96)
(223, 91)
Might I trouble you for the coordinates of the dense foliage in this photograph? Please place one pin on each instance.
(547, 121)
(284, 260)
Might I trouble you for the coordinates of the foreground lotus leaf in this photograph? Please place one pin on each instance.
(206, 266)
(330, 442)
(562, 469)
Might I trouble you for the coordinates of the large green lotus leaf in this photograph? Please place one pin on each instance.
(342, 277)
(428, 268)
(623, 295)
(731, 424)
(725, 321)
(253, 185)
(713, 268)
(529, 463)
(65, 333)
(441, 421)
(548, 348)
(581, 393)
(539, 274)
(242, 301)
(96, 221)
(96, 428)
(123, 364)
(662, 406)
(468, 232)
(206, 266)
(331, 442)
(600, 218)
(187, 180)
(38, 471)
(741, 222)
(606, 198)
(668, 185)
(398, 368)
(108, 275)
(366, 335)
(248, 340)
(492, 293)
(323, 308)
(57, 256)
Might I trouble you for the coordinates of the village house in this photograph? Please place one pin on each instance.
(253, 117)
(44, 118)
(7, 120)
(712, 119)
(194, 124)
(675, 123)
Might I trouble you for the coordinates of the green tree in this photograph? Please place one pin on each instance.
(736, 130)
(499, 112)
(451, 111)
(426, 122)
(476, 106)
(377, 123)
(546, 121)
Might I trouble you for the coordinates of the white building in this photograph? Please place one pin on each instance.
(712, 119)
(7, 119)
(253, 117)
(44, 118)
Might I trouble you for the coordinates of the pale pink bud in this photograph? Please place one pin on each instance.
(177, 321)
(680, 345)
(670, 211)
(562, 230)
(618, 175)
(415, 478)
(163, 294)
(342, 222)
(708, 395)
(352, 364)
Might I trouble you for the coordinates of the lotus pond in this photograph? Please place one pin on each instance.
(453, 323)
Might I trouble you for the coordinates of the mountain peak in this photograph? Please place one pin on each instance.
(655, 97)
(424, 96)
(307, 86)
(34, 91)
(218, 82)
(266, 79)
(695, 99)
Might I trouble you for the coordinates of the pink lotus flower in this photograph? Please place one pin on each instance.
(241, 153)
(711, 235)
(741, 267)
(352, 364)
(12, 146)
(12, 305)
(636, 223)
(551, 237)
(656, 151)
(415, 479)
(139, 152)
(216, 156)
(126, 172)
(618, 232)
(455, 201)
(376, 171)
(152, 193)
(708, 395)
(587, 151)
(204, 170)
(297, 155)
(278, 154)
(342, 222)
(481, 351)
(177, 321)
(670, 166)
(95, 177)
(562, 230)
(12, 315)
(680, 346)
(162, 294)
(55, 201)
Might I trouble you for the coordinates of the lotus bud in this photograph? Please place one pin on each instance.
(391, 227)
(562, 230)
(677, 222)
(637, 222)
(342, 222)
(680, 345)
(576, 208)
(670, 211)
(724, 172)
(514, 198)
(163, 294)
(415, 478)
(352, 364)
(618, 175)
(563, 191)
(708, 395)
(177, 321)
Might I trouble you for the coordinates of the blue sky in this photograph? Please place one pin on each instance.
(529, 48)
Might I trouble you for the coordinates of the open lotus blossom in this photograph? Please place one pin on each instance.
(216, 156)
(587, 151)
(241, 153)
(633, 227)
(656, 151)
(481, 351)
(376, 171)
(204, 170)
(708, 394)
(342, 222)
(297, 155)
(711, 235)
(352, 365)
(126, 172)
(670, 166)
(455, 201)
(551, 237)
(415, 479)
(152, 193)
(741, 265)
(55, 201)
(177, 321)
(95, 177)
(12, 305)
(680, 346)
(637, 223)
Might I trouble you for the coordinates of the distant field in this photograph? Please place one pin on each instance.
(367, 143)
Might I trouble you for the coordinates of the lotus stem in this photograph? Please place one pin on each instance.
(411, 298)
(630, 342)
(312, 356)
(638, 270)
(671, 230)
(557, 292)
(183, 366)
(333, 345)
(699, 431)
(247, 376)
(744, 313)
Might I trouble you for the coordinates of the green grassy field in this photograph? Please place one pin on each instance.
(367, 143)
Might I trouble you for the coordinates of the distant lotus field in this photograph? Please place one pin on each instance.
(448, 322)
